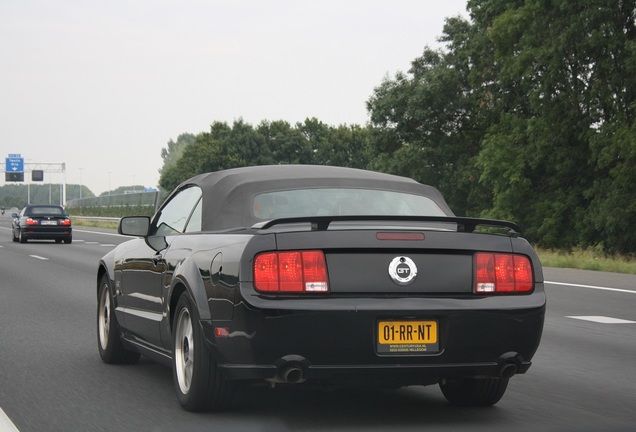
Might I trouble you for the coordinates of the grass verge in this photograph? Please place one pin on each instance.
(587, 260)
(90, 224)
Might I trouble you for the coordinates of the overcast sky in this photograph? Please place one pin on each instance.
(102, 86)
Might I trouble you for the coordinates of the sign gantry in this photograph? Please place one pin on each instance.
(15, 167)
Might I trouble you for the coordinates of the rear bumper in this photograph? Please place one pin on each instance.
(336, 340)
(47, 233)
(294, 370)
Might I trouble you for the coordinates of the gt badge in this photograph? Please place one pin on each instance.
(402, 270)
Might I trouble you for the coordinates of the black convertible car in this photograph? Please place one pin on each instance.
(326, 276)
(42, 222)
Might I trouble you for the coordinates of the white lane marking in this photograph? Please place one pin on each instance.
(592, 287)
(603, 319)
(6, 425)
(39, 257)
(107, 245)
(91, 242)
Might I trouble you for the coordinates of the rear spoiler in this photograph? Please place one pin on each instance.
(464, 224)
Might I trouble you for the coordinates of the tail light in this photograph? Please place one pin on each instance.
(30, 221)
(291, 271)
(502, 273)
(65, 222)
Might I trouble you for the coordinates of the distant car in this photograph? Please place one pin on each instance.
(326, 276)
(42, 222)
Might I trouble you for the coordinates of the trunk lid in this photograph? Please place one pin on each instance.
(362, 261)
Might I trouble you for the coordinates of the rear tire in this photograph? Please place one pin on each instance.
(68, 240)
(474, 391)
(197, 380)
(111, 348)
(23, 237)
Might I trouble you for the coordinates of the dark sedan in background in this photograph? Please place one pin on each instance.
(325, 276)
(42, 222)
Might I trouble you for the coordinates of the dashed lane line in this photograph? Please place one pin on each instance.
(597, 318)
(602, 319)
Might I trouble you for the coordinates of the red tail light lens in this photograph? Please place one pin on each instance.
(65, 222)
(30, 221)
(293, 271)
(502, 273)
(266, 272)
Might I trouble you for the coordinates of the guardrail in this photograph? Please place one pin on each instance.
(95, 219)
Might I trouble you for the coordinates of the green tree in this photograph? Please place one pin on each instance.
(277, 142)
(205, 154)
(173, 151)
(243, 145)
(527, 114)
(223, 147)
(612, 209)
(566, 83)
(428, 123)
(343, 145)
(286, 144)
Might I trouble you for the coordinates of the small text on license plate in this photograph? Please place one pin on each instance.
(407, 337)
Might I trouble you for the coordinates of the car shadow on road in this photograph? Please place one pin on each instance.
(302, 408)
(298, 408)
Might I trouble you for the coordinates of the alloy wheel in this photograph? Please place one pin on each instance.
(184, 350)
(104, 318)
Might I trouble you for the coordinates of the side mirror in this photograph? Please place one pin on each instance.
(138, 226)
(14, 215)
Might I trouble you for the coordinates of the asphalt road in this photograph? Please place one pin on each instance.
(52, 379)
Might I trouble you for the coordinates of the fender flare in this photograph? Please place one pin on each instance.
(187, 274)
(106, 266)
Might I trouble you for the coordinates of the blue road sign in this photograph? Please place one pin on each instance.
(14, 163)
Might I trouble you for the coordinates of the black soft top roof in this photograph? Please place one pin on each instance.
(228, 195)
(42, 209)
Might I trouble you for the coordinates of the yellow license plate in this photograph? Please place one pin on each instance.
(407, 332)
(407, 337)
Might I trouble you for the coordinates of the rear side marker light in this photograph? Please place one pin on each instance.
(291, 272)
(221, 332)
(502, 273)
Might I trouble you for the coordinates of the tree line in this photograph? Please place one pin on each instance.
(526, 113)
(277, 142)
